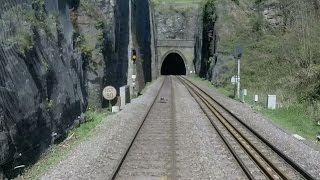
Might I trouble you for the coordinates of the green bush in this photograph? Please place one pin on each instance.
(236, 1)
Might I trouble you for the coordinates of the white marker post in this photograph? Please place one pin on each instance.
(238, 79)
(256, 98)
(238, 55)
(109, 93)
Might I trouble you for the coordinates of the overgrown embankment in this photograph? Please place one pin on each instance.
(281, 49)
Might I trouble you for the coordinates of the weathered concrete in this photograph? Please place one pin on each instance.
(124, 95)
(272, 101)
(186, 53)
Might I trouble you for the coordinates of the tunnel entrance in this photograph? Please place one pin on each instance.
(173, 64)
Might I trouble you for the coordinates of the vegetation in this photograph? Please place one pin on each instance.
(176, 1)
(293, 118)
(281, 59)
(88, 43)
(49, 103)
(281, 55)
(58, 152)
(23, 21)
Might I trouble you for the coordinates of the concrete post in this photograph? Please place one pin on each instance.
(238, 80)
(272, 101)
(256, 99)
(124, 95)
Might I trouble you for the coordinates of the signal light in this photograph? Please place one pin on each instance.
(134, 56)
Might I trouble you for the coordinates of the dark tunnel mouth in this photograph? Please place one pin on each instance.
(173, 64)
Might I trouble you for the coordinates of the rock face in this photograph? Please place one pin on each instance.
(223, 31)
(176, 21)
(103, 35)
(140, 40)
(55, 58)
(42, 79)
(178, 30)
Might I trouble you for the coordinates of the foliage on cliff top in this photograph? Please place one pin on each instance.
(279, 58)
(176, 1)
(282, 59)
(93, 42)
(21, 21)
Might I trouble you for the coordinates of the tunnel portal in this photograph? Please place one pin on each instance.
(173, 64)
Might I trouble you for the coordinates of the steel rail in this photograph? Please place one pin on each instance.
(115, 173)
(224, 139)
(265, 165)
(243, 141)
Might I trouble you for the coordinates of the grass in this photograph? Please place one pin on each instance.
(58, 152)
(177, 1)
(227, 91)
(294, 118)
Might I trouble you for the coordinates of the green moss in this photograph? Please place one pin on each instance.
(100, 24)
(90, 7)
(25, 41)
(86, 51)
(50, 104)
(90, 44)
(22, 21)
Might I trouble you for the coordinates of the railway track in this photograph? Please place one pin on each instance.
(256, 156)
(151, 154)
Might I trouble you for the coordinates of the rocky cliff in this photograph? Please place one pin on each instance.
(42, 78)
(178, 22)
(228, 24)
(55, 59)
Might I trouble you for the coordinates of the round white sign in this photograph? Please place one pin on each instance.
(109, 93)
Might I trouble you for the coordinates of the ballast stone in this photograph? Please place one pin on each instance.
(298, 137)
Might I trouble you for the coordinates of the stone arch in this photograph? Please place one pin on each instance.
(170, 52)
(173, 64)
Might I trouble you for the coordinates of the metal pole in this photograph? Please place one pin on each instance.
(238, 80)
(110, 107)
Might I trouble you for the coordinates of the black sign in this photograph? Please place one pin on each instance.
(238, 52)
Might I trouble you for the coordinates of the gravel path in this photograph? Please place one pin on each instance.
(306, 156)
(201, 154)
(97, 157)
